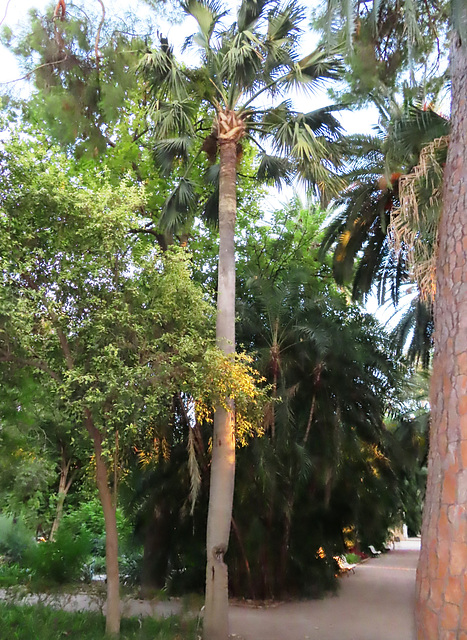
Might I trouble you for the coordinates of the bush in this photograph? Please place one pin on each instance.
(44, 623)
(15, 538)
(130, 564)
(12, 575)
(88, 519)
(352, 558)
(60, 561)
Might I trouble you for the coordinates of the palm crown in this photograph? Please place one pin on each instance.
(243, 67)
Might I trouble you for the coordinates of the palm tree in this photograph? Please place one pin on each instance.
(245, 68)
(440, 611)
(384, 236)
(441, 607)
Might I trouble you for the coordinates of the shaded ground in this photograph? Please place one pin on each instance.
(374, 604)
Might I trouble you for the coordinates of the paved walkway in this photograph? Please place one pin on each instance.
(374, 604)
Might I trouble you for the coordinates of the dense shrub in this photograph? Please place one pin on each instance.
(11, 574)
(15, 538)
(62, 560)
(44, 623)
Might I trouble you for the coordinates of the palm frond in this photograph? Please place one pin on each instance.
(211, 205)
(415, 227)
(211, 176)
(241, 64)
(413, 333)
(166, 151)
(165, 77)
(178, 205)
(345, 9)
(409, 133)
(207, 13)
(250, 11)
(173, 118)
(323, 123)
(313, 70)
(275, 170)
(284, 25)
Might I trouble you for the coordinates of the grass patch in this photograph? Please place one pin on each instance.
(44, 623)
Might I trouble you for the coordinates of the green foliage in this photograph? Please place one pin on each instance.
(60, 561)
(239, 66)
(387, 44)
(88, 519)
(13, 574)
(352, 558)
(42, 623)
(15, 538)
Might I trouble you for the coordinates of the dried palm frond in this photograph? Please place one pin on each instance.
(195, 475)
(414, 226)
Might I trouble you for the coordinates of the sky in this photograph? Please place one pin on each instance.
(12, 12)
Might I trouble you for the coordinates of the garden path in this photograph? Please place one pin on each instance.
(375, 603)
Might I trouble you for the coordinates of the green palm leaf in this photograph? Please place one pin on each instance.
(207, 13)
(165, 152)
(174, 118)
(250, 12)
(178, 204)
(275, 170)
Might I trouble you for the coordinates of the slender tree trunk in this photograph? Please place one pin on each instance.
(223, 445)
(441, 611)
(63, 488)
(112, 624)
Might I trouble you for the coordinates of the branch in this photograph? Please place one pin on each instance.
(63, 340)
(137, 136)
(31, 362)
(98, 35)
(152, 231)
(29, 73)
(6, 10)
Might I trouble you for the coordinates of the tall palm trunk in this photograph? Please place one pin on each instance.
(441, 586)
(223, 445)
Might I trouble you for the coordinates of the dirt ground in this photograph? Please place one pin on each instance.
(375, 603)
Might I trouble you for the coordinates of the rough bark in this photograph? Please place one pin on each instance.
(441, 610)
(223, 446)
(112, 622)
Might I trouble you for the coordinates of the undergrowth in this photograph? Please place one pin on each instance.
(44, 623)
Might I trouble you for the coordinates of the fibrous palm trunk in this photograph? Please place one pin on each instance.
(441, 584)
(223, 445)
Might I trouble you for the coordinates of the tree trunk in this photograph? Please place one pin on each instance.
(112, 623)
(441, 610)
(63, 488)
(223, 445)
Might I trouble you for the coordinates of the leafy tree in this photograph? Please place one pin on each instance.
(243, 66)
(86, 97)
(93, 313)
